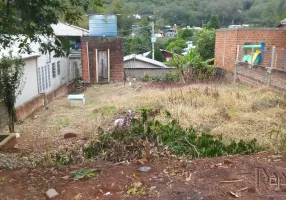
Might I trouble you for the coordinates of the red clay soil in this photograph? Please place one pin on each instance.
(259, 176)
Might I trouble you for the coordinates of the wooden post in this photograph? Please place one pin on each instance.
(108, 60)
(96, 64)
(236, 63)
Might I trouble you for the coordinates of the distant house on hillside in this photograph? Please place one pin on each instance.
(140, 66)
(189, 47)
(282, 24)
(193, 28)
(239, 26)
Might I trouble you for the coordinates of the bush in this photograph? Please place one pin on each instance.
(157, 55)
(172, 77)
(186, 34)
(169, 77)
(146, 78)
(177, 45)
(117, 144)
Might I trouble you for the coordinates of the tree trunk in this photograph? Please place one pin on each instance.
(11, 120)
(182, 75)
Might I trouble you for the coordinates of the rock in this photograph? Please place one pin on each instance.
(70, 135)
(144, 169)
(119, 123)
(51, 193)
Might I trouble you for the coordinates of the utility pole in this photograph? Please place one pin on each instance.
(152, 40)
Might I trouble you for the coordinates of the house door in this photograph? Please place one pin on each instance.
(102, 63)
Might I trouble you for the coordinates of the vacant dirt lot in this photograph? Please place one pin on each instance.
(232, 110)
(209, 179)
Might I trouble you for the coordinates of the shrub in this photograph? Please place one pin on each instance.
(157, 55)
(116, 145)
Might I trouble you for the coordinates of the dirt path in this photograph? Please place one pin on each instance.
(202, 179)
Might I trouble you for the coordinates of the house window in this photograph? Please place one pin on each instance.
(40, 79)
(59, 67)
(49, 75)
(44, 78)
(54, 70)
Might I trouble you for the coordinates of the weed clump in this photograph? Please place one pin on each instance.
(128, 144)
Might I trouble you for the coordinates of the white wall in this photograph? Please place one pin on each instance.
(30, 87)
(59, 79)
(31, 77)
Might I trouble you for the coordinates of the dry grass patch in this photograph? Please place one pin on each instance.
(235, 111)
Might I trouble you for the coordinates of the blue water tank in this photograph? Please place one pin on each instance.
(103, 25)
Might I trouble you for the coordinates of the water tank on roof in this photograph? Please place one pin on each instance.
(103, 25)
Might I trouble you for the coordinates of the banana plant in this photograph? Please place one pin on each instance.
(192, 65)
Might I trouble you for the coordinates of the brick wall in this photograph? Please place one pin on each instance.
(4, 115)
(30, 107)
(115, 46)
(57, 93)
(39, 101)
(228, 39)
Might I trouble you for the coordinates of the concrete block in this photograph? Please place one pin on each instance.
(7, 141)
(51, 193)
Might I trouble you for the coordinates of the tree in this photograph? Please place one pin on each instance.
(213, 23)
(206, 43)
(138, 45)
(157, 55)
(176, 45)
(185, 34)
(11, 73)
(33, 19)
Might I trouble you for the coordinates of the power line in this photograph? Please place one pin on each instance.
(134, 28)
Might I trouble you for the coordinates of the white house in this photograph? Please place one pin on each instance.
(44, 73)
(189, 47)
(139, 66)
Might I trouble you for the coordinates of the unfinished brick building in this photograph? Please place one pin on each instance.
(102, 59)
(229, 51)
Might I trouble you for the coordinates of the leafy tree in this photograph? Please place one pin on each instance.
(11, 73)
(185, 34)
(32, 20)
(213, 23)
(125, 18)
(206, 43)
(138, 45)
(176, 45)
(157, 55)
(199, 12)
